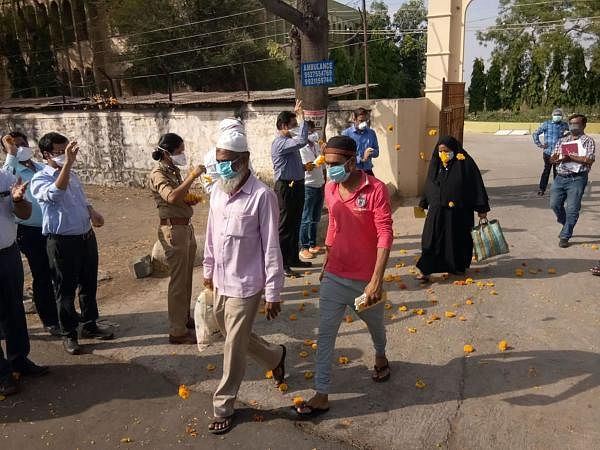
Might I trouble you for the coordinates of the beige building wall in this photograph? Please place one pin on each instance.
(116, 145)
(445, 53)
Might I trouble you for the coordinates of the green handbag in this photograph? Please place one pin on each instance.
(488, 240)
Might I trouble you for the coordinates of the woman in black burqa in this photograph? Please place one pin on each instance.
(453, 192)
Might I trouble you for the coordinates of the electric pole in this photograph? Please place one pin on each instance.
(366, 50)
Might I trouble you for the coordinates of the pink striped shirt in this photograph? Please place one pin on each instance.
(242, 254)
(357, 228)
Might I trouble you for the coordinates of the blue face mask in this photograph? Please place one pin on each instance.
(338, 174)
(225, 169)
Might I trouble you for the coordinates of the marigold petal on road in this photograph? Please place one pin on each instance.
(502, 346)
(420, 384)
(183, 392)
(468, 348)
(283, 387)
(343, 360)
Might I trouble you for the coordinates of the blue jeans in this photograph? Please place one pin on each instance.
(311, 215)
(569, 188)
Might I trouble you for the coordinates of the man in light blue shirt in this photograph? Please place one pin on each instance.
(553, 130)
(32, 242)
(367, 146)
(67, 219)
(13, 325)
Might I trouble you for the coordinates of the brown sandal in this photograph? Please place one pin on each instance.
(377, 378)
(228, 425)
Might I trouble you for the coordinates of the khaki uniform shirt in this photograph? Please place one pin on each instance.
(163, 180)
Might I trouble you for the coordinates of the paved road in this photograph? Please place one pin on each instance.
(541, 394)
(91, 402)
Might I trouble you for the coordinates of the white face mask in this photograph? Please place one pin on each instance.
(24, 154)
(313, 137)
(59, 160)
(294, 131)
(363, 126)
(179, 160)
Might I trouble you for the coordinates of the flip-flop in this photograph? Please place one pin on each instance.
(281, 366)
(224, 429)
(376, 378)
(314, 412)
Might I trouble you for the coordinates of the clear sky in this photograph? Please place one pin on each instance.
(481, 14)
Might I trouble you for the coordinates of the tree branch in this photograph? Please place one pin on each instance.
(287, 12)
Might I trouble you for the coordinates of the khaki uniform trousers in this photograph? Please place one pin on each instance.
(179, 244)
(235, 317)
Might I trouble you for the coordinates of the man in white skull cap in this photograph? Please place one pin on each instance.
(242, 261)
(210, 159)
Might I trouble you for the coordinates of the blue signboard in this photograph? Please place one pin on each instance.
(318, 73)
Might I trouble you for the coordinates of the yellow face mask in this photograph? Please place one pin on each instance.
(446, 157)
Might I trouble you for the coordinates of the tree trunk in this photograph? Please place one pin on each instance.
(312, 28)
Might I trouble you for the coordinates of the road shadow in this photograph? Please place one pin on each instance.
(466, 378)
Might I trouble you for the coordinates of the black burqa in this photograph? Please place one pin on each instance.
(452, 195)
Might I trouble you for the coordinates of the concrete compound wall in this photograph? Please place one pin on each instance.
(116, 145)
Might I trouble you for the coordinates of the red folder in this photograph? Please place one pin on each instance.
(569, 148)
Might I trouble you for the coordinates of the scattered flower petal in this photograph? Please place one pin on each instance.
(502, 346)
(303, 354)
(493, 292)
(210, 367)
(519, 272)
(305, 293)
(398, 147)
(388, 306)
(551, 270)
(293, 317)
(348, 319)
(269, 374)
(308, 375)
(469, 301)
(343, 360)
(460, 156)
(126, 440)
(298, 401)
(308, 342)
(183, 392)
(420, 384)
(283, 387)
(403, 308)
(432, 132)
(594, 247)
(412, 330)
(468, 348)
(314, 346)
(422, 155)
(450, 314)
(390, 127)
(314, 290)
(420, 312)
(462, 318)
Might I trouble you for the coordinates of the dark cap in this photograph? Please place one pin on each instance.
(341, 145)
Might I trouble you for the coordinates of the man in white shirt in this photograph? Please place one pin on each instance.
(314, 180)
(13, 326)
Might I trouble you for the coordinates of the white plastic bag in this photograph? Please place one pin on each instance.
(206, 325)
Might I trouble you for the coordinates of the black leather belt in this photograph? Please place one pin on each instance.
(73, 237)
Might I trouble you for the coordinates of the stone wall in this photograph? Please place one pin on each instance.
(116, 145)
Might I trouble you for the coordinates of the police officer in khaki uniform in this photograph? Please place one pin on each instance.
(176, 233)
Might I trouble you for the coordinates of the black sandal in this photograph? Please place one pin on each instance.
(281, 379)
(225, 420)
(380, 379)
(313, 412)
(596, 270)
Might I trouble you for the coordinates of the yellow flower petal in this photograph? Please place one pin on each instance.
(551, 270)
(400, 265)
(210, 367)
(293, 317)
(298, 401)
(420, 384)
(594, 247)
(432, 132)
(388, 306)
(434, 317)
(422, 155)
(305, 293)
(398, 147)
(269, 374)
(308, 375)
(462, 318)
(283, 387)
(468, 348)
(403, 252)
(502, 346)
(420, 312)
(390, 127)
(343, 360)
(388, 278)
(450, 314)
(403, 308)
(493, 292)
(412, 330)
(348, 319)
(303, 354)
(183, 392)
(451, 204)
(519, 272)
(314, 346)
(469, 301)
(460, 157)
(308, 342)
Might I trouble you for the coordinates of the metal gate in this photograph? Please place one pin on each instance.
(452, 115)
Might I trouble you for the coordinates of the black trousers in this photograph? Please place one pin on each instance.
(32, 244)
(12, 314)
(74, 265)
(546, 173)
(291, 204)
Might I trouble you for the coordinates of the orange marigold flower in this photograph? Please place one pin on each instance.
(468, 348)
(183, 392)
(412, 330)
(283, 387)
(298, 401)
(450, 314)
(420, 384)
(343, 360)
(269, 374)
(460, 156)
(403, 308)
(502, 346)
